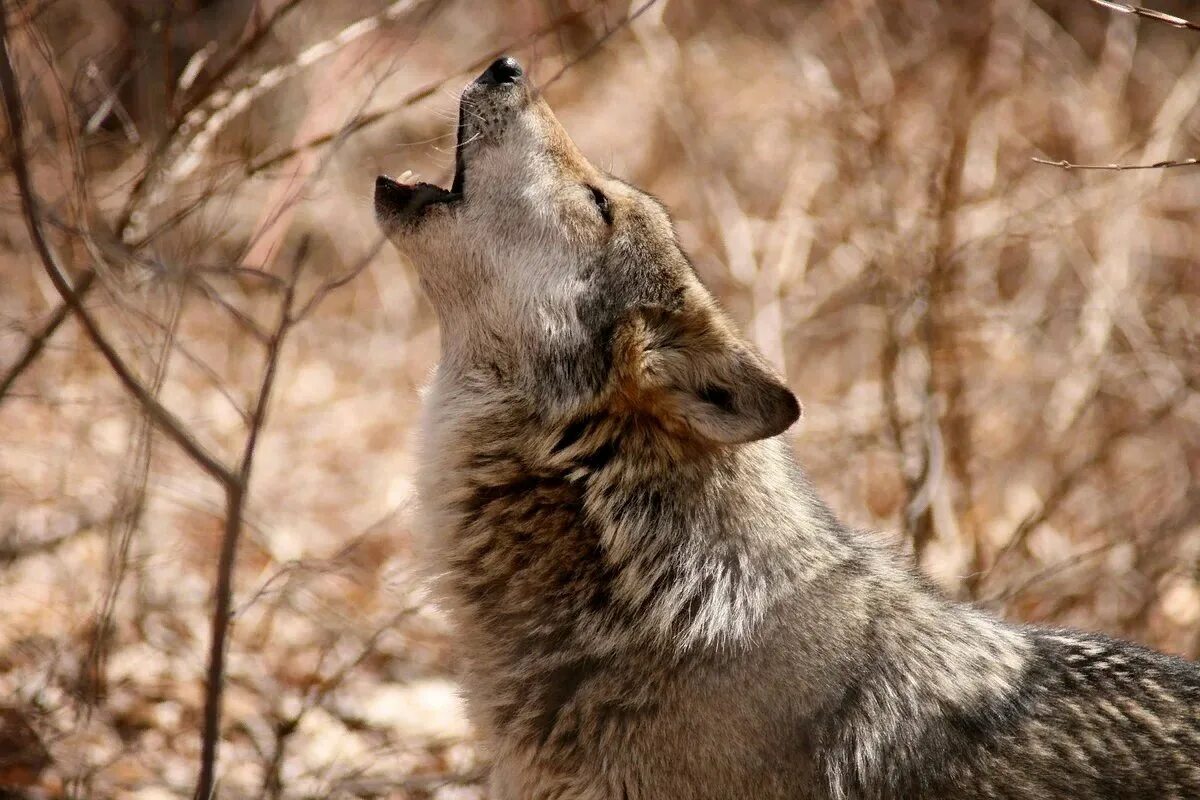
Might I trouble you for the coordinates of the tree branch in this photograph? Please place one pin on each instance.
(1157, 16)
(1067, 165)
(162, 417)
(1147, 13)
(596, 45)
(368, 119)
(37, 342)
(235, 502)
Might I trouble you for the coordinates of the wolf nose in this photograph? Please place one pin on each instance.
(503, 70)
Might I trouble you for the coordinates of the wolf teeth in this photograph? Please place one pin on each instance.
(406, 176)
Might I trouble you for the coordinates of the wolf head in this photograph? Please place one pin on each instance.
(568, 285)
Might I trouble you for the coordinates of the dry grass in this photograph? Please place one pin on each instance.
(998, 357)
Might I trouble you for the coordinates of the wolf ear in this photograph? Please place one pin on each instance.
(691, 371)
(741, 401)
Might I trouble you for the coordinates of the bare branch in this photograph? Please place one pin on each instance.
(163, 418)
(202, 93)
(193, 358)
(366, 120)
(596, 45)
(1156, 540)
(1050, 571)
(133, 505)
(1063, 164)
(336, 283)
(205, 124)
(240, 317)
(206, 83)
(235, 502)
(272, 786)
(242, 271)
(1147, 13)
(37, 342)
(1157, 16)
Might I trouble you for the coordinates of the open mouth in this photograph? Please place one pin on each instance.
(393, 198)
(406, 200)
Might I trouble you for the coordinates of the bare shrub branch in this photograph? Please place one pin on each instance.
(171, 425)
(1156, 16)
(1147, 13)
(365, 120)
(596, 45)
(37, 342)
(235, 502)
(1187, 162)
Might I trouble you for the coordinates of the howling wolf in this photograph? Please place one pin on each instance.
(651, 601)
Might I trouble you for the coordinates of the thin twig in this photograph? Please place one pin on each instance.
(133, 505)
(205, 83)
(1157, 16)
(1048, 572)
(83, 283)
(366, 120)
(272, 781)
(37, 342)
(1147, 13)
(1064, 164)
(241, 271)
(596, 45)
(240, 317)
(203, 125)
(1145, 544)
(191, 357)
(178, 126)
(336, 283)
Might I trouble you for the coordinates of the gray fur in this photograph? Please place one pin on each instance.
(651, 601)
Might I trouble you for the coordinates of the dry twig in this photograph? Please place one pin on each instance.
(596, 45)
(235, 503)
(1147, 13)
(37, 342)
(1186, 162)
(1157, 16)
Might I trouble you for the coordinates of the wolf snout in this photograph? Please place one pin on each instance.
(503, 70)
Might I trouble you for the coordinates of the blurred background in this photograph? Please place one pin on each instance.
(997, 357)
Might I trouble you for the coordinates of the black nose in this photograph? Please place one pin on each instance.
(503, 70)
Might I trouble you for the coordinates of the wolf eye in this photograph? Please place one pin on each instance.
(601, 204)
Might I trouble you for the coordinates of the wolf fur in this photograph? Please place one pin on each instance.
(651, 601)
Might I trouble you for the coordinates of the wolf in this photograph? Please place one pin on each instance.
(650, 599)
